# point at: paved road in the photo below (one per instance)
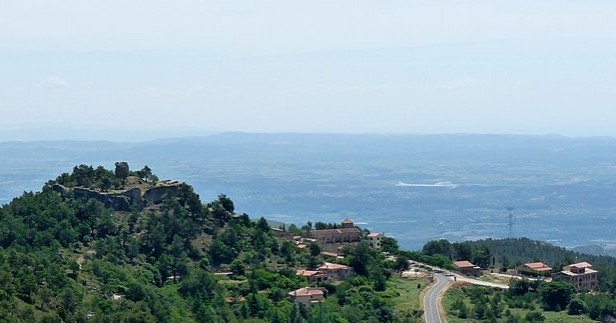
(431, 301)
(473, 281)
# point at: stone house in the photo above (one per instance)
(374, 239)
(346, 234)
(333, 240)
(580, 274)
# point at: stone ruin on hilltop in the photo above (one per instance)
(133, 193)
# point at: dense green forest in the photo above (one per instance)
(64, 257)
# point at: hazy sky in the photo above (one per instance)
(489, 66)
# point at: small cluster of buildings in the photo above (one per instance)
(331, 242)
(581, 275)
(328, 272)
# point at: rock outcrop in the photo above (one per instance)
(125, 200)
(155, 194)
(116, 201)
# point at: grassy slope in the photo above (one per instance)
(550, 317)
(409, 293)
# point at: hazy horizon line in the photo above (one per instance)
(144, 134)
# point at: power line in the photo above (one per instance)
(510, 221)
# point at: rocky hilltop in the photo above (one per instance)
(128, 190)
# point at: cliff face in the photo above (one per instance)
(116, 201)
(155, 195)
(124, 200)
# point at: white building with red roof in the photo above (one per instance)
(308, 295)
(580, 274)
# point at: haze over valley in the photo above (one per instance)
(413, 187)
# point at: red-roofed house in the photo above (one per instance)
(536, 268)
(467, 268)
(307, 295)
(581, 275)
(314, 276)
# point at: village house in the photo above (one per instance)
(335, 271)
(308, 295)
(536, 269)
(465, 267)
(580, 274)
(333, 240)
(313, 276)
(374, 239)
(326, 272)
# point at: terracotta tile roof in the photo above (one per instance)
(464, 264)
(538, 266)
(347, 221)
(581, 265)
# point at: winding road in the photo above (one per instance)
(431, 301)
(442, 279)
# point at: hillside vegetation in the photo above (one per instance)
(65, 257)
(528, 299)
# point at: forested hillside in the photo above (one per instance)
(515, 252)
(70, 257)
(524, 296)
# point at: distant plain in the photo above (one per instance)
(413, 187)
